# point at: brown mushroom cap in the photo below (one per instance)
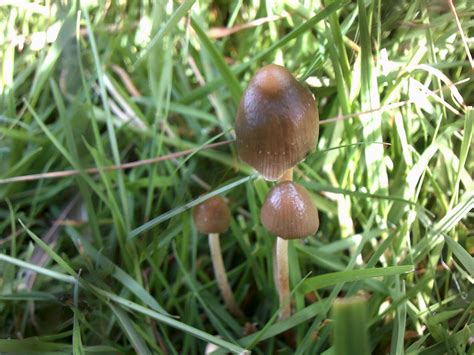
(289, 212)
(212, 216)
(277, 122)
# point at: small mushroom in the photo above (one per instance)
(212, 217)
(289, 213)
(277, 122)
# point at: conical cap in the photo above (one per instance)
(289, 212)
(212, 216)
(277, 122)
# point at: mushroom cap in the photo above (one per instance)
(277, 122)
(289, 212)
(212, 216)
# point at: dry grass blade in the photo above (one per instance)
(132, 89)
(134, 164)
(461, 32)
(39, 256)
(220, 32)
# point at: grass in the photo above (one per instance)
(107, 260)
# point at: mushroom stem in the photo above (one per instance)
(287, 175)
(221, 276)
(281, 263)
(283, 284)
(275, 267)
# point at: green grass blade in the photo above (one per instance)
(51, 253)
(334, 278)
(126, 323)
(227, 75)
(28, 296)
(167, 28)
(318, 187)
(398, 333)
(463, 256)
(32, 345)
(466, 146)
(282, 326)
(46, 67)
(173, 323)
(443, 226)
(298, 31)
(119, 274)
(377, 178)
(77, 348)
(176, 211)
(350, 334)
(194, 288)
(110, 125)
(40, 270)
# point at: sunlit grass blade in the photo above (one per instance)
(45, 68)
(330, 279)
(318, 187)
(444, 225)
(110, 126)
(462, 255)
(466, 146)
(377, 179)
(40, 270)
(173, 20)
(228, 76)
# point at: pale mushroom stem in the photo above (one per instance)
(275, 267)
(283, 284)
(282, 279)
(221, 276)
(287, 176)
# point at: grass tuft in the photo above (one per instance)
(116, 118)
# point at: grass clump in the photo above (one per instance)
(105, 257)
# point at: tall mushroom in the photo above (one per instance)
(277, 122)
(289, 213)
(212, 217)
(277, 126)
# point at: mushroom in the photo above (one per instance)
(277, 126)
(289, 213)
(277, 122)
(212, 217)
